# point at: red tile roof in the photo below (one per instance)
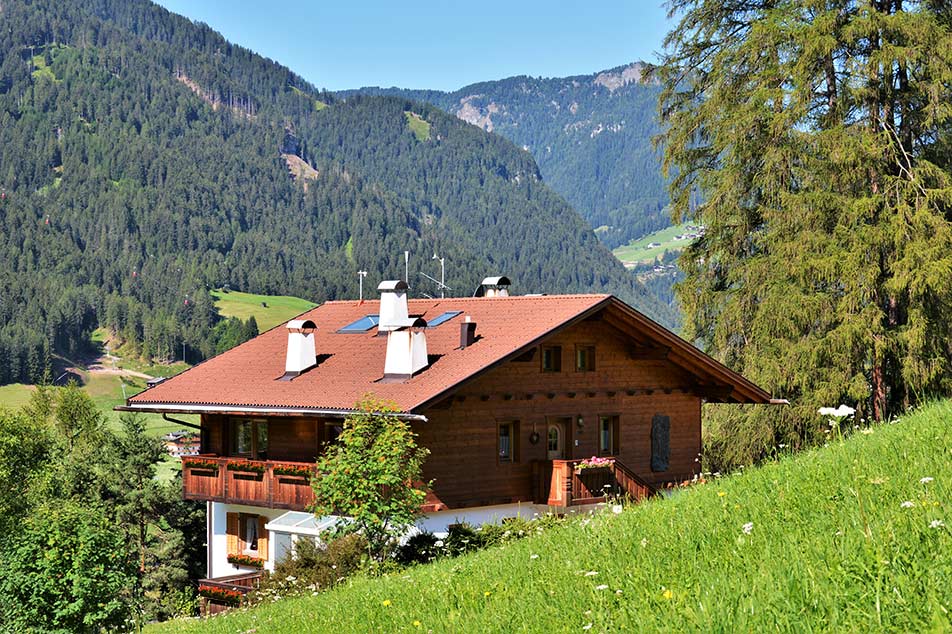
(351, 365)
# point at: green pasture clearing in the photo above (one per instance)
(419, 127)
(638, 250)
(15, 395)
(852, 537)
(268, 310)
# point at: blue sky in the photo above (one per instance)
(445, 46)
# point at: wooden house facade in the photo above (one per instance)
(508, 393)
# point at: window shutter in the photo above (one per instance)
(262, 537)
(616, 435)
(660, 442)
(232, 528)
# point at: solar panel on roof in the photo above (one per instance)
(363, 324)
(439, 319)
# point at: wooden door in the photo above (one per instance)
(555, 441)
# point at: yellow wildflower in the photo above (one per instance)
(487, 593)
(417, 624)
(667, 594)
(387, 603)
(721, 494)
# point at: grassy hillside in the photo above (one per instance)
(268, 310)
(851, 537)
(644, 250)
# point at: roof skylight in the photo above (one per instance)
(363, 324)
(439, 319)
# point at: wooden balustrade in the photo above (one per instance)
(241, 481)
(561, 483)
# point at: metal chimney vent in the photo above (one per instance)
(493, 287)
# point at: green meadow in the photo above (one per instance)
(639, 251)
(268, 310)
(851, 537)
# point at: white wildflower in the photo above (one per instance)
(925, 480)
(907, 504)
(591, 573)
(587, 627)
(644, 542)
(616, 509)
(936, 524)
(840, 412)
(533, 556)
(601, 587)
(618, 591)
(747, 528)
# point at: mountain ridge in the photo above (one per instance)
(590, 134)
(128, 194)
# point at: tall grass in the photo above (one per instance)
(851, 537)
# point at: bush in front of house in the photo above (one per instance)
(311, 567)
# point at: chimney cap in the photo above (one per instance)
(492, 283)
(302, 325)
(392, 286)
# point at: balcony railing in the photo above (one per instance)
(276, 484)
(240, 584)
(561, 483)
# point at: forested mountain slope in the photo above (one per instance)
(590, 134)
(144, 160)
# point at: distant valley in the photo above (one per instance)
(591, 136)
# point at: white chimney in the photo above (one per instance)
(301, 352)
(406, 351)
(406, 336)
(493, 287)
(394, 312)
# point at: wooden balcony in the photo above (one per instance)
(275, 484)
(241, 584)
(561, 483)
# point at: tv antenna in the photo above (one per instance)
(441, 283)
(360, 282)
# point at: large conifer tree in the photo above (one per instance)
(812, 139)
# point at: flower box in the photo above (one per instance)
(594, 463)
(220, 595)
(248, 467)
(294, 471)
(201, 465)
(247, 561)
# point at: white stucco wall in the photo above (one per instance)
(218, 565)
(279, 543)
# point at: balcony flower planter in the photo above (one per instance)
(292, 471)
(248, 467)
(594, 463)
(220, 595)
(202, 466)
(246, 560)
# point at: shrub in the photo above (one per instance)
(421, 548)
(311, 567)
(462, 538)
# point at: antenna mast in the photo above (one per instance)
(360, 281)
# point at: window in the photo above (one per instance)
(361, 325)
(330, 431)
(246, 534)
(551, 358)
(608, 435)
(249, 534)
(508, 442)
(439, 319)
(584, 358)
(660, 442)
(249, 438)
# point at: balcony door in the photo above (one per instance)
(557, 440)
(249, 438)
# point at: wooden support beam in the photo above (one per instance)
(645, 353)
